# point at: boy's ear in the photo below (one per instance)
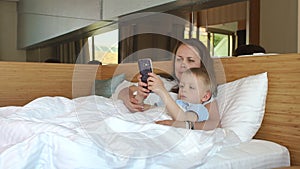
(206, 97)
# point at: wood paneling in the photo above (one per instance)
(223, 14)
(281, 123)
(23, 82)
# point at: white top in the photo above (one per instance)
(152, 99)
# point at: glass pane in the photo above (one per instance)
(106, 47)
(221, 45)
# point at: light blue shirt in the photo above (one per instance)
(199, 109)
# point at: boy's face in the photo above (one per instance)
(192, 89)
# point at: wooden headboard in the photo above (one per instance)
(23, 82)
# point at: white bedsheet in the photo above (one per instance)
(96, 132)
(259, 154)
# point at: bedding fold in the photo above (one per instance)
(97, 132)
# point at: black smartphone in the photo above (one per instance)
(145, 66)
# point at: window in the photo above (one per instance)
(104, 47)
(220, 42)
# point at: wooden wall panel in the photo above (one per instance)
(281, 122)
(23, 82)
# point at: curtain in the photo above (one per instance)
(126, 44)
(74, 52)
(151, 45)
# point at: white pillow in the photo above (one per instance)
(242, 104)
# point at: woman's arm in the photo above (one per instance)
(213, 120)
(210, 124)
(179, 124)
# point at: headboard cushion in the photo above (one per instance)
(107, 87)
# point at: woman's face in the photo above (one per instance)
(186, 57)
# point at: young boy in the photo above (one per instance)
(194, 92)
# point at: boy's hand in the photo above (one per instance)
(155, 84)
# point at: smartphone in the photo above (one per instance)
(145, 66)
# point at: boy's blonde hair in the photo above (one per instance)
(201, 73)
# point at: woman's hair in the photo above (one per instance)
(206, 60)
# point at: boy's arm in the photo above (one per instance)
(174, 110)
(156, 85)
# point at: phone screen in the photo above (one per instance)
(145, 66)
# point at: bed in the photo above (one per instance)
(35, 128)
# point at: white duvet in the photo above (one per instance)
(97, 132)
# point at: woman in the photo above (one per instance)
(188, 54)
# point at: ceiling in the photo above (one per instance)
(11, 0)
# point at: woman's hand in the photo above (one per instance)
(180, 124)
(126, 95)
(142, 91)
(165, 122)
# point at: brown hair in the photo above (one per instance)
(249, 49)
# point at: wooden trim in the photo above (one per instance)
(298, 32)
(254, 21)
